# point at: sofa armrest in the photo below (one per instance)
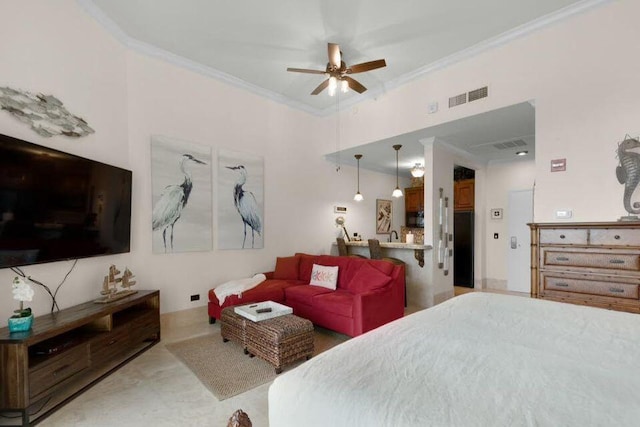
(375, 308)
(269, 274)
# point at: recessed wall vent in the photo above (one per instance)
(458, 100)
(510, 144)
(483, 92)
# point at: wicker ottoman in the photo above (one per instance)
(232, 327)
(281, 340)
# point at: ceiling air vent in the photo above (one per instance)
(510, 144)
(458, 100)
(483, 92)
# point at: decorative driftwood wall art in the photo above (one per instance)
(44, 113)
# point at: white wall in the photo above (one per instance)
(500, 179)
(54, 48)
(127, 97)
(582, 75)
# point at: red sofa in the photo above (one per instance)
(369, 293)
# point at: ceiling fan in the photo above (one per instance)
(337, 71)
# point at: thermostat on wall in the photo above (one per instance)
(340, 209)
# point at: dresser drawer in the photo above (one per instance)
(613, 261)
(563, 236)
(614, 237)
(57, 369)
(594, 287)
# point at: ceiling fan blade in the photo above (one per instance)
(366, 66)
(320, 87)
(304, 70)
(334, 55)
(354, 84)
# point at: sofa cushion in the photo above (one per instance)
(367, 278)
(287, 268)
(306, 265)
(347, 266)
(384, 267)
(269, 290)
(325, 276)
(304, 294)
(337, 302)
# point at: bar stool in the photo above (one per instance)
(343, 250)
(375, 252)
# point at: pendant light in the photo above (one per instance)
(397, 192)
(417, 171)
(358, 197)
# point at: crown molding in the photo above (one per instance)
(500, 40)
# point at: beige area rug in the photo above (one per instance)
(224, 368)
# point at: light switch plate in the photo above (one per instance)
(433, 107)
(564, 214)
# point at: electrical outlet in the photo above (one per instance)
(195, 297)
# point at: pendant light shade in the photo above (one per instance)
(417, 171)
(397, 192)
(358, 197)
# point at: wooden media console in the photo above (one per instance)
(68, 351)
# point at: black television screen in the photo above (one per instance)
(56, 206)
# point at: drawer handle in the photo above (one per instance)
(562, 258)
(60, 369)
(616, 290)
(112, 341)
(617, 237)
(562, 236)
(616, 261)
(562, 284)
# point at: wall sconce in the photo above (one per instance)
(358, 197)
(397, 192)
(417, 171)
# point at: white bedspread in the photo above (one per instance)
(476, 360)
(238, 286)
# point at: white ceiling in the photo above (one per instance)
(474, 137)
(251, 43)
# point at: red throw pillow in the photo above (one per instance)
(287, 268)
(368, 278)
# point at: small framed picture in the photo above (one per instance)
(496, 213)
(384, 216)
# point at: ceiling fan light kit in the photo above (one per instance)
(337, 70)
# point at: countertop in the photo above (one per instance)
(391, 245)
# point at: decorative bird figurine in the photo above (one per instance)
(246, 205)
(174, 198)
(628, 173)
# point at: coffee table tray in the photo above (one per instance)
(250, 311)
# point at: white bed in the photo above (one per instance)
(476, 360)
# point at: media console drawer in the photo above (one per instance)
(58, 368)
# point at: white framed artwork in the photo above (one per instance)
(181, 196)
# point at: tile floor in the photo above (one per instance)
(157, 390)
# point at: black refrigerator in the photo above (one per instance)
(463, 249)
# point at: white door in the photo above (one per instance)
(519, 242)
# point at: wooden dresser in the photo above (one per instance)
(596, 264)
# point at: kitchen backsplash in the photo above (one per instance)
(417, 232)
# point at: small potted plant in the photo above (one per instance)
(23, 318)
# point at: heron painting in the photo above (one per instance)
(240, 200)
(181, 181)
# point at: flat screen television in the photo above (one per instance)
(57, 206)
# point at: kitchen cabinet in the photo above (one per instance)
(463, 195)
(414, 206)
